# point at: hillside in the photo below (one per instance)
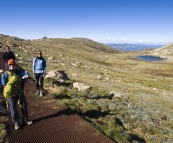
(78, 43)
(164, 52)
(142, 105)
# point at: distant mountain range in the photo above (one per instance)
(134, 47)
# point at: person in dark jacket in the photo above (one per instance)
(39, 72)
(8, 54)
(13, 81)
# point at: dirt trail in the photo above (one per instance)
(51, 125)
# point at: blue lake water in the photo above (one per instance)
(150, 58)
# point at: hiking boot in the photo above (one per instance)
(29, 122)
(37, 93)
(41, 94)
(17, 127)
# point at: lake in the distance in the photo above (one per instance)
(150, 58)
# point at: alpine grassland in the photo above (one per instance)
(141, 109)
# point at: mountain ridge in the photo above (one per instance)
(82, 43)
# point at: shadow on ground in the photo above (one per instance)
(65, 112)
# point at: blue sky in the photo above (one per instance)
(99, 20)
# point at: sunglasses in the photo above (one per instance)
(11, 64)
(38, 53)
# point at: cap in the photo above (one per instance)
(11, 62)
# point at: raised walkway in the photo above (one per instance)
(51, 125)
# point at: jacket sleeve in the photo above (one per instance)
(33, 65)
(4, 78)
(44, 65)
(23, 74)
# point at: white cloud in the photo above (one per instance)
(123, 39)
(109, 39)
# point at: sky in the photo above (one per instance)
(140, 21)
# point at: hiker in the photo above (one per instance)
(8, 54)
(39, 72)
(13, 81)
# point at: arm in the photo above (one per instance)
(24, 75)
(33, 65)
(44, 66)
(4, 78)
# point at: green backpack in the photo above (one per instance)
(13, 86)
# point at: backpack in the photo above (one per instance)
(13, 86)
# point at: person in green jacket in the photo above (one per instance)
(13, 81)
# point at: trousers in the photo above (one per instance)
(12, 102)
(39, 80)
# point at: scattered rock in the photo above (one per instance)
(80, 86)
(51, 58)
(74, 74)
(20, 62)
(100, 76)
(113, 94)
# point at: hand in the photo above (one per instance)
(23, 77)
(1, 71)
(44, 74)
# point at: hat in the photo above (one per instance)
(11, 62)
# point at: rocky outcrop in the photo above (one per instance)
(58, 75)
(164, 52)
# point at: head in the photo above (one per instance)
(39, 54)
(7, 48)
(11, 64)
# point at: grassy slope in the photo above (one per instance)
(147, 113)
